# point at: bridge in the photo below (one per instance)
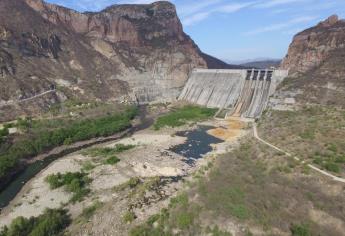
(241, 93)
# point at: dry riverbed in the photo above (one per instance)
(150, 158)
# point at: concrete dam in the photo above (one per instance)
(241, 93)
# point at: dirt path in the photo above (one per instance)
(27, 99)
(333, 177)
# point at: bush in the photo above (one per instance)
(51, 222)
(129, 217)
(300, 230)
(75, 183)
(331, 166)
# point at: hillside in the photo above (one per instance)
(124, 53)
(262, 64)
(316, 63)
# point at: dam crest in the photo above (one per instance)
(239, 93)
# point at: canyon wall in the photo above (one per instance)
(125, 53)
(315, 61)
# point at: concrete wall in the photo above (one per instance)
(243, 92)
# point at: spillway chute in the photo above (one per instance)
(242, 93)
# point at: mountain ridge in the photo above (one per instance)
(123, 53)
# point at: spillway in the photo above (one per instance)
(242, 93)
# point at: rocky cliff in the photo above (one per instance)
(312, 47)
(123, 53)
(316, 62)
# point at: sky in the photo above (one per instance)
(236, 30)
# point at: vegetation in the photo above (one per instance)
(3, 134)
(183, 115)
(51, 222)
(89, 211)
(131, 184)
(112, 160)
(47, 134)
(300, 230)
(182, 214)
(75, 183)
(109, 154)
(129, 216)
(227, 192)
(217, 232)
(314, 133)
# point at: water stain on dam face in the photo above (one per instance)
(244, 93)
(198, 144)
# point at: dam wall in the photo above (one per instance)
(242, 93)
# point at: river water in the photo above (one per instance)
(198, 143)
(33, 169)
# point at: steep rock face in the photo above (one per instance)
(312, 47)
(316, 63)
(147, 43)
(36, 56)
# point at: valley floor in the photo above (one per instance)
(160, 171)
(241, 187)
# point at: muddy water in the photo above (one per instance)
(198, 144)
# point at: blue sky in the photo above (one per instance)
(236, 30)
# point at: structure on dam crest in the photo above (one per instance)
(242, 93)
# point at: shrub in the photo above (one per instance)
(331, 166)
(75, 183)
(129, 217)
(300, 230)
(51, 222)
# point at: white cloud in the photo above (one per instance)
(227, 8)
(280, 26)
(192, 8)
(274, 3)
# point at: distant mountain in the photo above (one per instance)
(265, 64)
(215, 63)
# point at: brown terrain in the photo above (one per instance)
(124, 53)
(316, 62)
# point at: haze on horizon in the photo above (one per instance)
(235, 30)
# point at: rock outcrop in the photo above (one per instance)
(312, 47)
(316, 63)
(123, 53)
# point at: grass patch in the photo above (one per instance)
(75, 183)
(215, 231)
(51, 222)
(129, 217)
(183, 115)
(112, 160)
(109, 154)
(107, 151)
(87, 166)
(88, 212)
(131, 183)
